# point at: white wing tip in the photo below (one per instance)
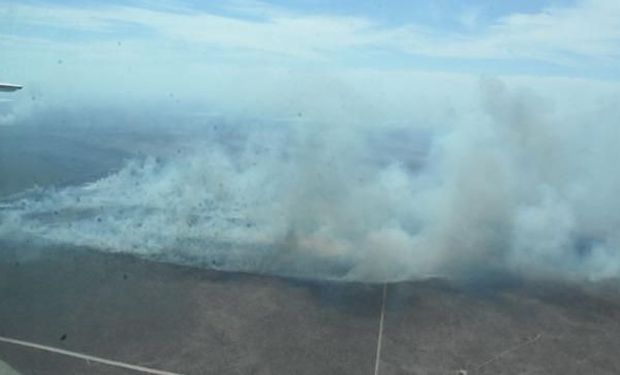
(7, 87)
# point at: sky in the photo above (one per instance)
(226, 49)
(561, 38)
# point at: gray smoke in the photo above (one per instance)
(514, 184)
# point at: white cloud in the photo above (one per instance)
(588, 30)
(251, 55)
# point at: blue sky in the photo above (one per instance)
(574, 38)
(154, 44)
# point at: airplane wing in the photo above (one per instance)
(7, 87)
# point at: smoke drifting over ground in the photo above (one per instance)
(515, 185)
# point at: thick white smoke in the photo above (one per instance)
(516, 186)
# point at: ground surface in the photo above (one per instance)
(197, 321)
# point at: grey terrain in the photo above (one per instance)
(199, 321)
